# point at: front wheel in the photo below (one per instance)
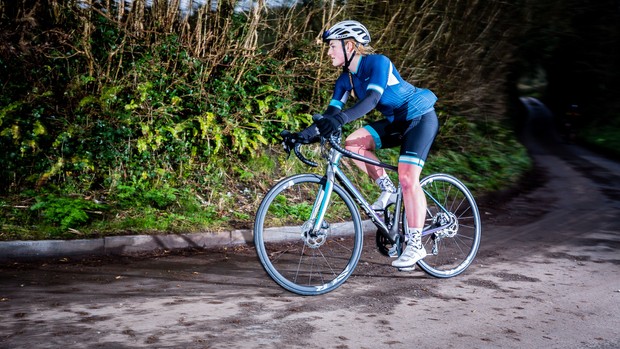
(298, 257)
(451, 207)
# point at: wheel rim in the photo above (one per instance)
(454, 248)
(302, 262)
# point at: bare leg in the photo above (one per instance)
(415, 208)
(413, 196)
(361, 142)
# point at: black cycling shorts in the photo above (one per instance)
(414, 137)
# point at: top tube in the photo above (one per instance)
(334, 141)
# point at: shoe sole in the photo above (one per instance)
(404, 266)
(408, 266)
(407, 269)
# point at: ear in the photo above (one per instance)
(350, 46)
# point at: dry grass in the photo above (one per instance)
(460, 49)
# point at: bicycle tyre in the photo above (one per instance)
(296, 261)
(452, 250)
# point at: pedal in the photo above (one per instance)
(393, 251)
(407, 269)
(396, 248)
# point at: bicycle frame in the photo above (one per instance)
(298, 249)
(334, 172)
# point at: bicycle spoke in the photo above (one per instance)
(310, 261)
(452, 212)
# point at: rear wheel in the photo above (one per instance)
(298, 259)
(450, 204)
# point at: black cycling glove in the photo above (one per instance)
(290, 139)
(329, 124)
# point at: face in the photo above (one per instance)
(335, 52)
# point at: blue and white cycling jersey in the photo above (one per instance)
(398, 99)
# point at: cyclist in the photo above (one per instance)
(410, 122)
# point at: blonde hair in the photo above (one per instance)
(363, 50)
(359, 48)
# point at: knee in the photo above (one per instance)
(354, 145)
(409, 180)
(359, 143)
(408, 183)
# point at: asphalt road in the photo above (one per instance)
(547, 276)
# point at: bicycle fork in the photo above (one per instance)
(314, 232)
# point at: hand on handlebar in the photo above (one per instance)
(292, 142)
(290, 139)
(327, 125)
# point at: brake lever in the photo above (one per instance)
(287, 148)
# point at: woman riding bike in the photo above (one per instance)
(410, 122)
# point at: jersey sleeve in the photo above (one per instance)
(379, 74)
(341, 92)
(362, 108)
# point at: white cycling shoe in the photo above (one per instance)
(410, 256)
(385, 199)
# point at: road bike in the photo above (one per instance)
(309, 233)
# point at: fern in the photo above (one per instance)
(64, 212)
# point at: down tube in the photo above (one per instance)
(357, 196)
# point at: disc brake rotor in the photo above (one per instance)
(446, 219)
(316, 239)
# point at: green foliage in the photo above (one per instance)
(173, 129)
(141, 194)
(283, 209)
(65, 212)
(603, 137)
(161, 198)
(485, 155)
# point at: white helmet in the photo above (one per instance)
(348, 29)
